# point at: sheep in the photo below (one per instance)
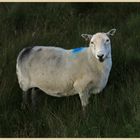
(60, 72)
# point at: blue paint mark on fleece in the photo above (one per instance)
(78, 50)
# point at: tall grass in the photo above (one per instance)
(113, 113)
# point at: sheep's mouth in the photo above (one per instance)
(101, 60)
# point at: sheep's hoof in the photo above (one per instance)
(25, 106)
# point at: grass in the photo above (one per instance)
(113, 113)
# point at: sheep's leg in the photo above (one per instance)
(37, 99)
(81, 86)
(26, 99)
(34, 98)
(84, 97)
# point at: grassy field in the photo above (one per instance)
(113, 113)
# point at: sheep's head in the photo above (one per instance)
(100, 44)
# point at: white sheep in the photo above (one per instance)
(59, 72)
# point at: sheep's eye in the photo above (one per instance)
(92, 43)
(107, 40)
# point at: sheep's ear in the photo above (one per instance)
(87, 37)
(111, 32)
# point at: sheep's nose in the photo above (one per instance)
(100, 56)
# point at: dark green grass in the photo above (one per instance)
(113, 113)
